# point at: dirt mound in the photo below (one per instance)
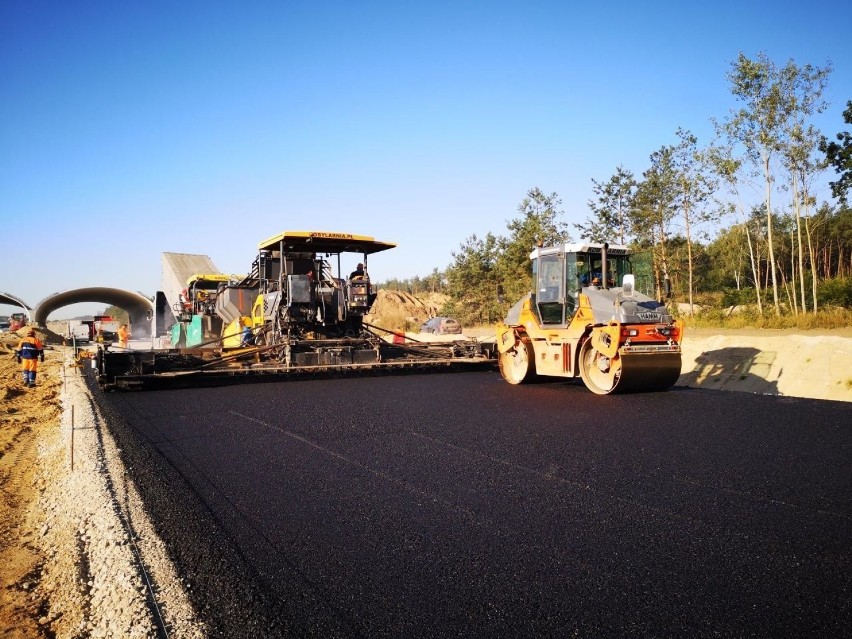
(398, 310)
(50, 335)
(54, 332)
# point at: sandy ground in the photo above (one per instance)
(30, 419)
(69, 565)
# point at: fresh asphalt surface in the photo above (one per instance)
(458, 505)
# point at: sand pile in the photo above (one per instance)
(397, 310)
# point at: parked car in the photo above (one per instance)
(442, 326)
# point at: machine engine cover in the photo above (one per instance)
(650, 311)
(298, 289)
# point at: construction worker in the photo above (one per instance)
(246, 336)
(28, 353)
(123, 335)
(358, 272)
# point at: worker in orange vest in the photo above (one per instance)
(29, 352)
(123, 335)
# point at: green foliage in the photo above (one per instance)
(835, 292)
(609, 220)
(749, 317)
(839, 155)
(472, 280)
(654, 203)
(728, 263)
(737, 297)
(772, 122)
(432, 283)
(537, 224)
(775, 103)
(480, 266)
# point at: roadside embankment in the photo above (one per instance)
(817, 365)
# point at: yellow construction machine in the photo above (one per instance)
(585, 318)
(197, 321)
(298, 297)
(295, 314)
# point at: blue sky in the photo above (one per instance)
(129, 129)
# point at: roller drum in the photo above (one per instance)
(646, 372)
(628, 372)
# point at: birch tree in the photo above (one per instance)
(728, 168)
(695, 186)
(771, 104)
(805, 86)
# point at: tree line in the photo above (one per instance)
(733, 221)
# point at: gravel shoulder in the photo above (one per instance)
(78, 557)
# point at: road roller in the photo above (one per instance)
(584, 318)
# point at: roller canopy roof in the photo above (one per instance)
(324, 242)
(581, 247)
